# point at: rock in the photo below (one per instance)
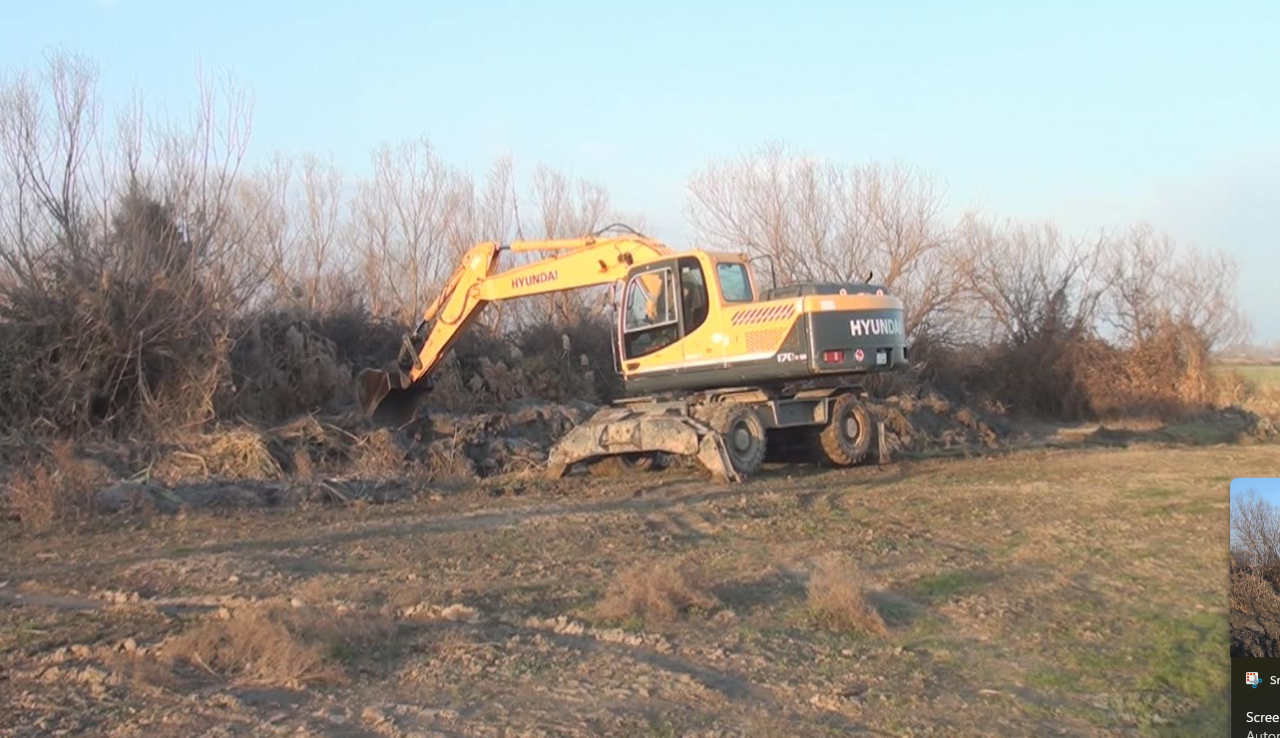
(725, 616)
(459, 612)
(126, 496)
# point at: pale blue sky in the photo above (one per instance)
(1266, 487)
(1091, 114)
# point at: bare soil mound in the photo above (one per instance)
(1253, 637)
(929, 421)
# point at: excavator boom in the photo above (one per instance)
(392, 393)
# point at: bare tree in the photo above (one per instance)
(1157, 283)
(821, 221)
(120, 265)
(561, 208)
(496, 209)
(1255, 530)
(1024, 281)
(406, 226)
(47, 129)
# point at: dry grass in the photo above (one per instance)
(253, 646)
(1253, 595)
(229, 453)
(280, 645)
(381, 453)
(838, 601)
(142, 672)
(57, 487)
(655, 592)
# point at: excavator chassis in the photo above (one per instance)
(627, 431)
(694, 426)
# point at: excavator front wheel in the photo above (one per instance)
(743, 434)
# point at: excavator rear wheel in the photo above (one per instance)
(847, 438)
(743, 435)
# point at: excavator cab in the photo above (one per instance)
(672, 309)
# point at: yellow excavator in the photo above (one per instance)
(715, 364)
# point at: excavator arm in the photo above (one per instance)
(574, 264)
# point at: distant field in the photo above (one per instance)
(1261, 376)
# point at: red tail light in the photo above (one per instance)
(833, 357)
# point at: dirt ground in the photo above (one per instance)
(1046, 592)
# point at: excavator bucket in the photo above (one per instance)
(388, 397)
(623, 432)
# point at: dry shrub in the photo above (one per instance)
(59, 486)
(276, 644)
(124, 330)
(304, 469)
(1070, 374)
(447, 460)
(655, 592)
(571, 362)
(552, 362)
(250, 645)
(1166, 375)
(838, 601)
(284, 367)
(1265, 403)
(1253, 595)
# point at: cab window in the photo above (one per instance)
(649, 301)
(734, 283)
(650, 320)
(693, 294)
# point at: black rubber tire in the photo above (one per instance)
(743, 435)
(625, 463)
(647, 461)
(845, 440)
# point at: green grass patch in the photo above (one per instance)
(948, 583)
(1167, 501)
(1197, 433)
(1152, 493)
(1258, 376)
(1188, 655)
(1053, 679)
(1168, 676)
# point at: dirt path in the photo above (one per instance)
(1048, 592)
